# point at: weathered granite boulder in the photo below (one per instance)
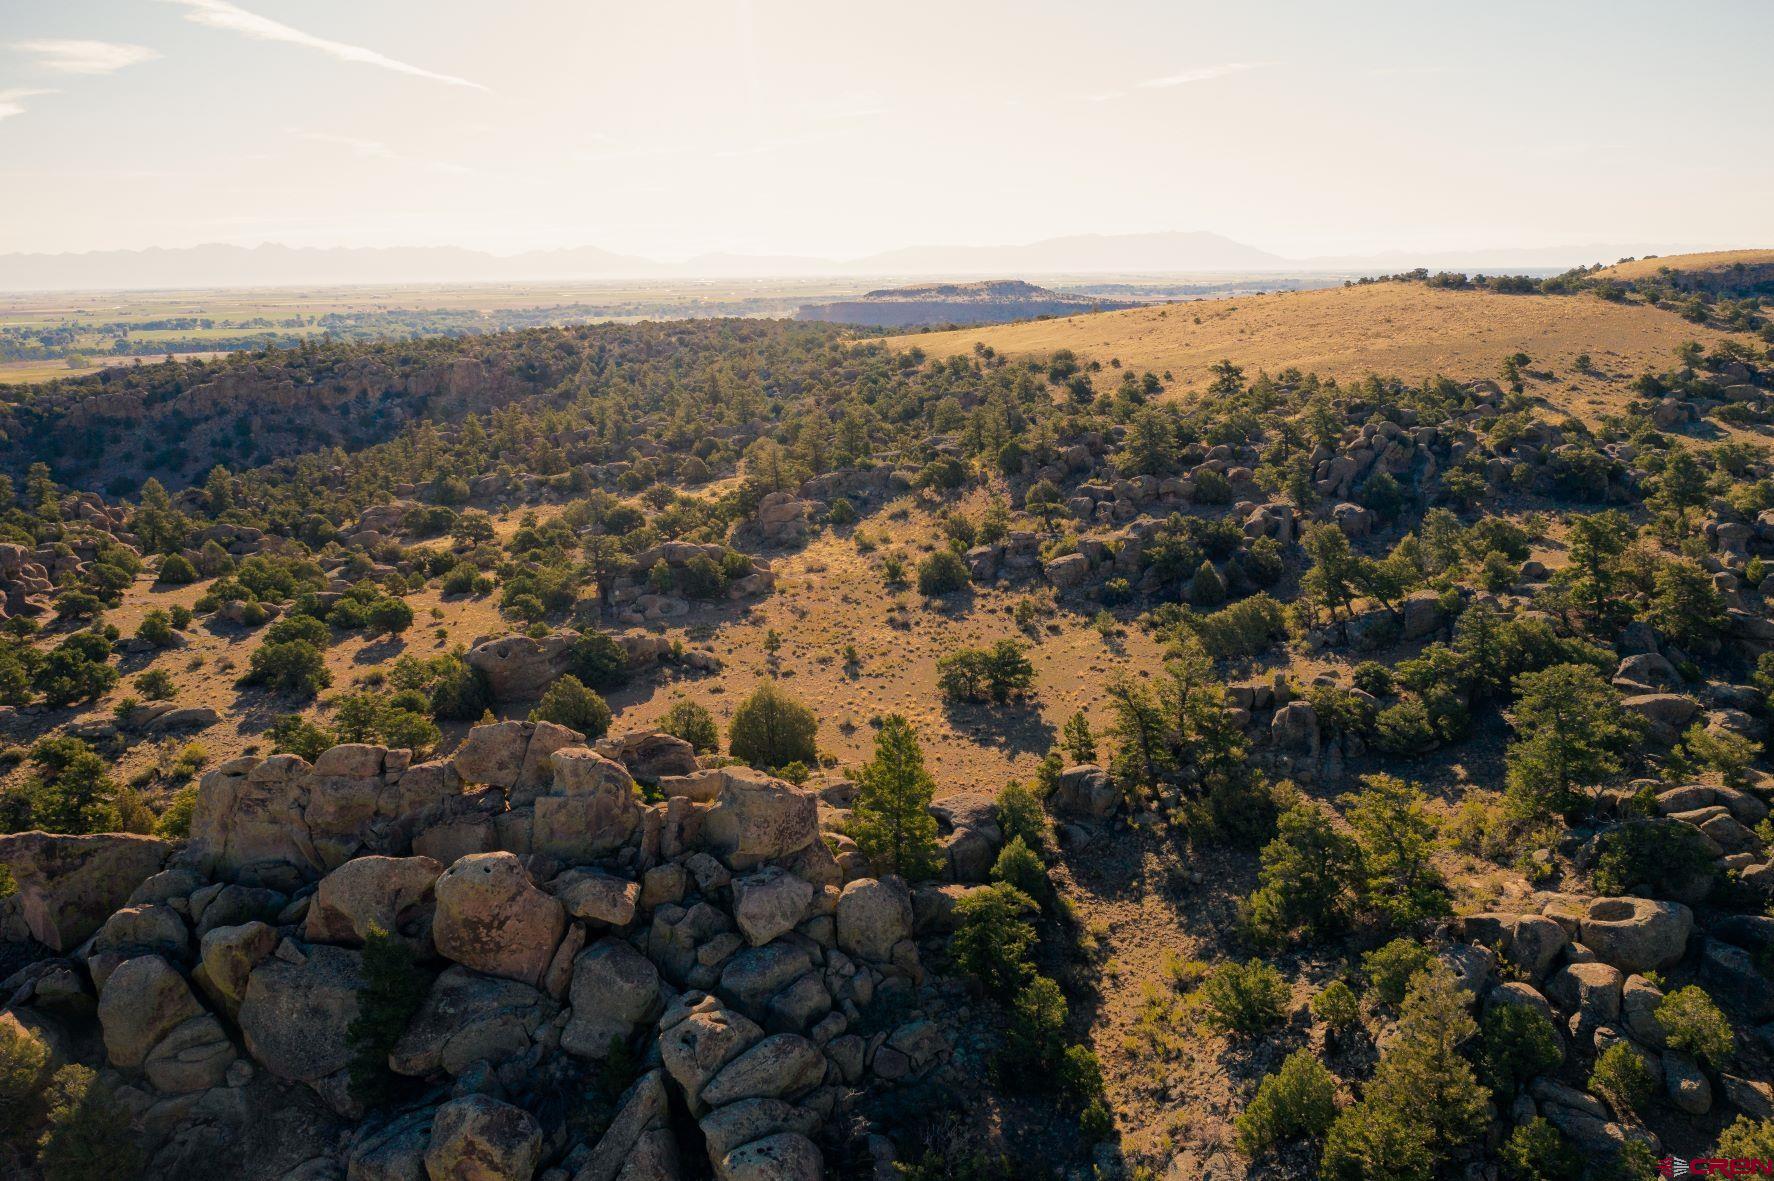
(492, 918)
(69, 885)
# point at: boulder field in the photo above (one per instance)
(688, 947)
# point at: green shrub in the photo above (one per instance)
(177, 570)
(1695, 1024)
(1035, 1035)
(304, 628)
(295, 667)
(996, 674)
(295, 735)
(1389, 969)
(1021, 866)
(598, 661)
(1537, 1151)
(155, 684)
(993, 941)
(771, 729)
(1300, 1099)
(157, 629)
(1337, 1006)
(174, 822)
(1747, 1138)
(569, 703)
(942, 573)
(1245, 999)
(1247, 628)
(692, 722)
(87, 1134)
(1657, 855)
(1518, 1043)
(394, 987)
(24, 1061)
(68, 790)
(1020, 817)
(76, 670)
(1622, 1078)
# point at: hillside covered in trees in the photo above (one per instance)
(738, 749)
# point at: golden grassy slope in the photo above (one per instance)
(1403, 329)
(1718, 260)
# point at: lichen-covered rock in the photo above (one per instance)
(615, 988)
(228, 956)
(1636, 934)
(650, 754)
(467, 1018)
(591, 809)
(786, 1156)
(873, 915)
(521, 668)
(1085, 790)
(698, 1038)
(644, 1109)
(194, 1056)
(479, 1138)
(757, 819)
(69, 885)
(392, 894)
(597, 896)
(769, 903)
(492, 918)
(782, 1065)
(143, 1001)
(297, 1008)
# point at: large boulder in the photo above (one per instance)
(769, 903)
(1085, 790)
(69, 885)
(194, 1056)
(1295, 728)
(757, 818)
(492, 918)
(1636, 934)
(479, 1138)
(700, 1037)
(514, 756)
(519, 667)
(144, 1000)
(598, 897)
(650, 754)
(395, 895)
(227, 957)
(783, 1065)
(590, 811)
(615, 988)
(297, 1009)
(467, 1018)
(643, 1113)
(873, 916)
(786, 1156)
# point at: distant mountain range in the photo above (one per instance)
(1085, 254)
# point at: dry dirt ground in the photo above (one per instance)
(1393, 329)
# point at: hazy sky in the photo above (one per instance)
(670, 128)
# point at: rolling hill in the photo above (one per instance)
(1403, 328)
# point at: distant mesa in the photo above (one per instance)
(993, 301)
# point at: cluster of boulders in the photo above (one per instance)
(756, 975)
(1590, 966)
(25, 581)
(638, 599)
(520, 667)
